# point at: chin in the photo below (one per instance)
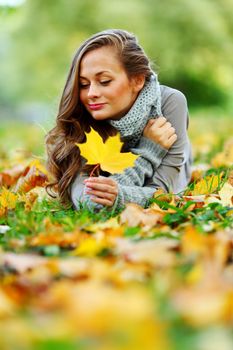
(100, 116)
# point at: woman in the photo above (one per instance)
(112, 88)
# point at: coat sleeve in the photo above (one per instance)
(150, 157)
(174, 171)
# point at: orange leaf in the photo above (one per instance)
(33, 178)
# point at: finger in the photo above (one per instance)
(160, 121)
(101, 194)
(171, 141)
(102, 201)
(148, 126)
(150, 122)
(101, 187)
(166, 126)
(100, 179)
(170, 132)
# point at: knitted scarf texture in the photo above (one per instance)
(146, 106)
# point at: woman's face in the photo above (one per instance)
(105, 89)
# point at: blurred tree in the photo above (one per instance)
(191, 42)
(41, 43)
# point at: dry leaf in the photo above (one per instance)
(34, 177)
(9, 177)
(107, 154)
(226, 195)
(7, 199)
(207, 185)
(157, 252)
(134, 215)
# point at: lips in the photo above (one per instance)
(96, 106)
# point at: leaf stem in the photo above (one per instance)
(95, 168)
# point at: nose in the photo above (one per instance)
(93, 91)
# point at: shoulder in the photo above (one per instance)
(171, 98)
(169, 94)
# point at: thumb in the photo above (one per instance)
(149, 123)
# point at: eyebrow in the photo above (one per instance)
(97, 74)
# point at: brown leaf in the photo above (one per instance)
(134, 215)
(156, 252)
(34, 177)
(8, 177)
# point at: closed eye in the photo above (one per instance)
(83, 86)
(105, 82)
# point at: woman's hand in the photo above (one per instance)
(103, 189)
(160, 131)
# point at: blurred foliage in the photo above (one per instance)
(190, 42)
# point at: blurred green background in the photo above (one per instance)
(189, 42)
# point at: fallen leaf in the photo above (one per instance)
(9, 177)
(89, 247)
(226, 195)
(34, 177)
(134, 215)
(207, 185)
(8, 199)
(157, 252)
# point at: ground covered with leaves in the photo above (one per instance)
(159, 277)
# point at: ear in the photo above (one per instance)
(138, 82)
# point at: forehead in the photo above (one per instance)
(99, 60)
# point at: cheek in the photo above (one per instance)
(120, 93)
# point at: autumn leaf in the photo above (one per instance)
(8, 177)
(107, 154)
(34, 177)
(134, 215)
(89, 247)
(38, 166)
(207, 185)
(226, 195)
(7, 199)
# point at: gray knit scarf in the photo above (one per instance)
(146, 106)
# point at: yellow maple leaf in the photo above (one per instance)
(7, 199)
(107, 154)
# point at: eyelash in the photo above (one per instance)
(104, 83)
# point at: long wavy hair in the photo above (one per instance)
(73, 120)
